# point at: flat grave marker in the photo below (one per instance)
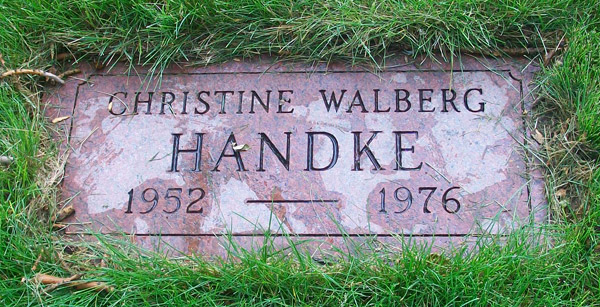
(314, 151)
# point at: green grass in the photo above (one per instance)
(574, 85)
(20, 138)
(522, 271)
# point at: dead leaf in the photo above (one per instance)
(50, 279)
(60, 119)
(95, 285)
(563, 203)
(63, 56)
(236, 59)
(241, 147)
(58, 226)
(561, 193)
(64, 213)
(437, 258)
(538, 136)
(55, 282)
(558, 63)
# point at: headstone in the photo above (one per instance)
(417, 150)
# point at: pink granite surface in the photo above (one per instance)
(470, 151)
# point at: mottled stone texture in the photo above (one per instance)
(455, 139)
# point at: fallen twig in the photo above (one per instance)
(102, 261)
(60, 119)
(36, 72)
(34, 267)
(2, 61)
(6, 160)
(37, 261)
(54, 281)
(63, 263)
(69, 73)
(551, 54)
(64, 213)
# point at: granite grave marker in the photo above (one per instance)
(422, 150)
